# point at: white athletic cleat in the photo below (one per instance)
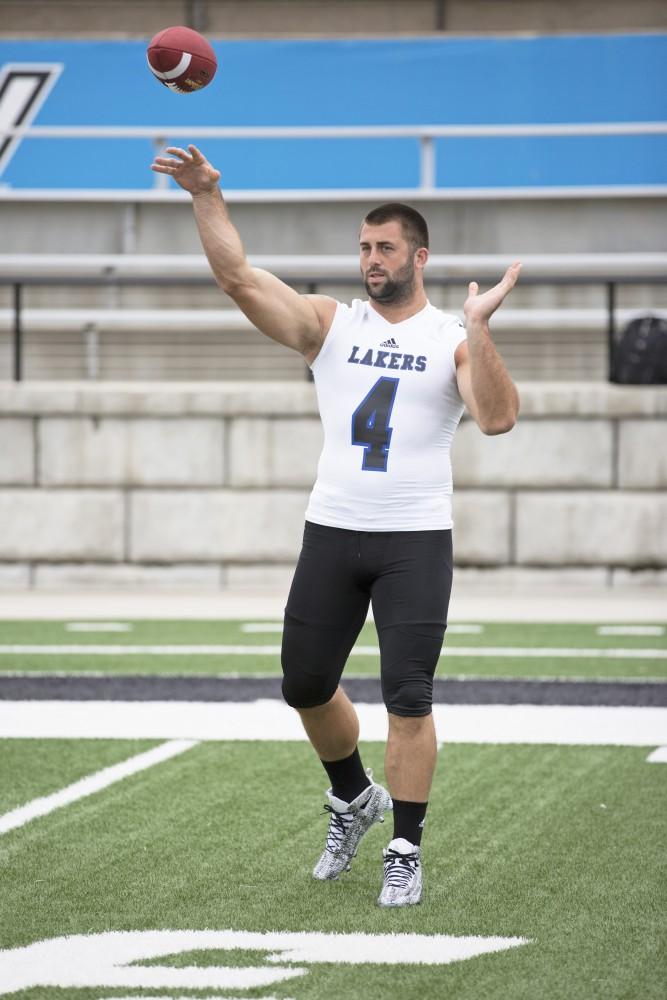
(402, 874)
(348, 822)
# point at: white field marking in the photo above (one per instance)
(92, 783)
(659, 756)
(98, 627)
(630, 630)
(170, 996)
(226, 650)
(349, 675)
(271, 719)
(104, 960)
(260, 627)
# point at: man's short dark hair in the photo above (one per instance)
(412, 222)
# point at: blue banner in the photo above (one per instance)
(374, 82)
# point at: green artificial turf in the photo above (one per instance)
(32, 768)
(543, 636)
(205, 632)
(562, 845)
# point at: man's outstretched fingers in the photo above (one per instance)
(512, 273)
(180, 153)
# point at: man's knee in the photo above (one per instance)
(307, 680)
(301, 690)
(410, 655)
(410, 699)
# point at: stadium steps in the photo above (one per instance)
(169, 320)
(223, 344)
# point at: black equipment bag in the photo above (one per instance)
(640, 353)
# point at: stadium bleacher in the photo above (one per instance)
(120, 341)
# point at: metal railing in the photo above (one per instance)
(161, 135)
(318, 272)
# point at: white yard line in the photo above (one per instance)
(266, 627)
(92, 783)
(540, 652)
(630, 630)
(98, 627)
(659, 756)
(348, 675)
(271, 719)
(262, 627)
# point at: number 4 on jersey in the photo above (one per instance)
(370, 424)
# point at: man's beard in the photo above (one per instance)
(395, 290)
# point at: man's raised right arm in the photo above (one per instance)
(297, 321)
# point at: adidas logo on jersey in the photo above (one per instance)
(390, 343)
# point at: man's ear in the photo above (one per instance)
(421, 257)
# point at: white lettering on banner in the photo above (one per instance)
(23, 89)
(105, 960)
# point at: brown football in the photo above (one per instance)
(181, 59)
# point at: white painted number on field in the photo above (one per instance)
(107, 960)
(658, 756)
(170, 996)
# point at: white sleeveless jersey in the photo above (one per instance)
(389, 404)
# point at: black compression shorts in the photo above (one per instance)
(407, 575)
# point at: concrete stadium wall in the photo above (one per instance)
(229, 18)
(508, 225)
(192, 486)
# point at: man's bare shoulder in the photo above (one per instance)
(325, 307)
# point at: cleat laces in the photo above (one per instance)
(348, 823)
(399, 869)
(339, 824)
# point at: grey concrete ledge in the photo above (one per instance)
(262, 577)
(158, 399)
(591, 399)
(236, 399)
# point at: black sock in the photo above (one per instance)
(348, 778)
(409, 820)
